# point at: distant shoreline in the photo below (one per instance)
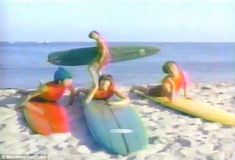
(42, 42)
(205, 62)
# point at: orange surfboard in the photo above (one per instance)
(46, 117)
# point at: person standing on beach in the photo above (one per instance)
(54, 90)
(101, 60)
(171, 85)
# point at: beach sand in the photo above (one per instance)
(172, 135)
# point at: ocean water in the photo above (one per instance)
(23, 65)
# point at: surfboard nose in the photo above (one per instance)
(152, 50)
(52, 58)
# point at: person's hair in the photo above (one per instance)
(61, 74)
(93, 32)
(106, 77)
(167, 65)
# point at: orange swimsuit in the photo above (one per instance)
(103, 95)
(179, 82)
(51, 92)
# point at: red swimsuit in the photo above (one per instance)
(103, 95)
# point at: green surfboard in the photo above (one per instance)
(84, 56)
(117, 129)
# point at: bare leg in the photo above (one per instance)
(166, 91)
(100, 70)
(99, 73)
(94, 73)
(145, 90)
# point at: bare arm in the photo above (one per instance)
(169, 88)
(185, 91)
(91, 94)
(32, 95)
(186, 84)
(124, 99)
(172, 90)
(72, 96)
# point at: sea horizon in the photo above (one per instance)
(205, 62)
(117, 41)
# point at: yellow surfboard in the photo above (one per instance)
(195, 108)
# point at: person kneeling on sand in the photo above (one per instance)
(171, 85)
(105, 90)
(54, 90)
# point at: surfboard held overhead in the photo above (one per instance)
(84, 56)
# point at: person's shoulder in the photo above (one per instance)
(71, 87)
(167, 78)
(102, 43)
(43, 88)
(186, 77)
(50, 84)
(114, 87)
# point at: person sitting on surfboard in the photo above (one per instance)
(103, 57)
(54, 90)
(175, 80)
(104, 91)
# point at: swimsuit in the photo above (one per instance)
(51, 92)
(103, 95)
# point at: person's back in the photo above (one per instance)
(178, 81)
(54, 90)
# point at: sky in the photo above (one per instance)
(118, 20)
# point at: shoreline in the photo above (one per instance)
(172, 135)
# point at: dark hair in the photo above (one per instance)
(93, 32)
(167, 65)
(106, 77)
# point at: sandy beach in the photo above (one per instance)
(172, 135)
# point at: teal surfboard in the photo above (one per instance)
(84, 56)
(117, 129)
